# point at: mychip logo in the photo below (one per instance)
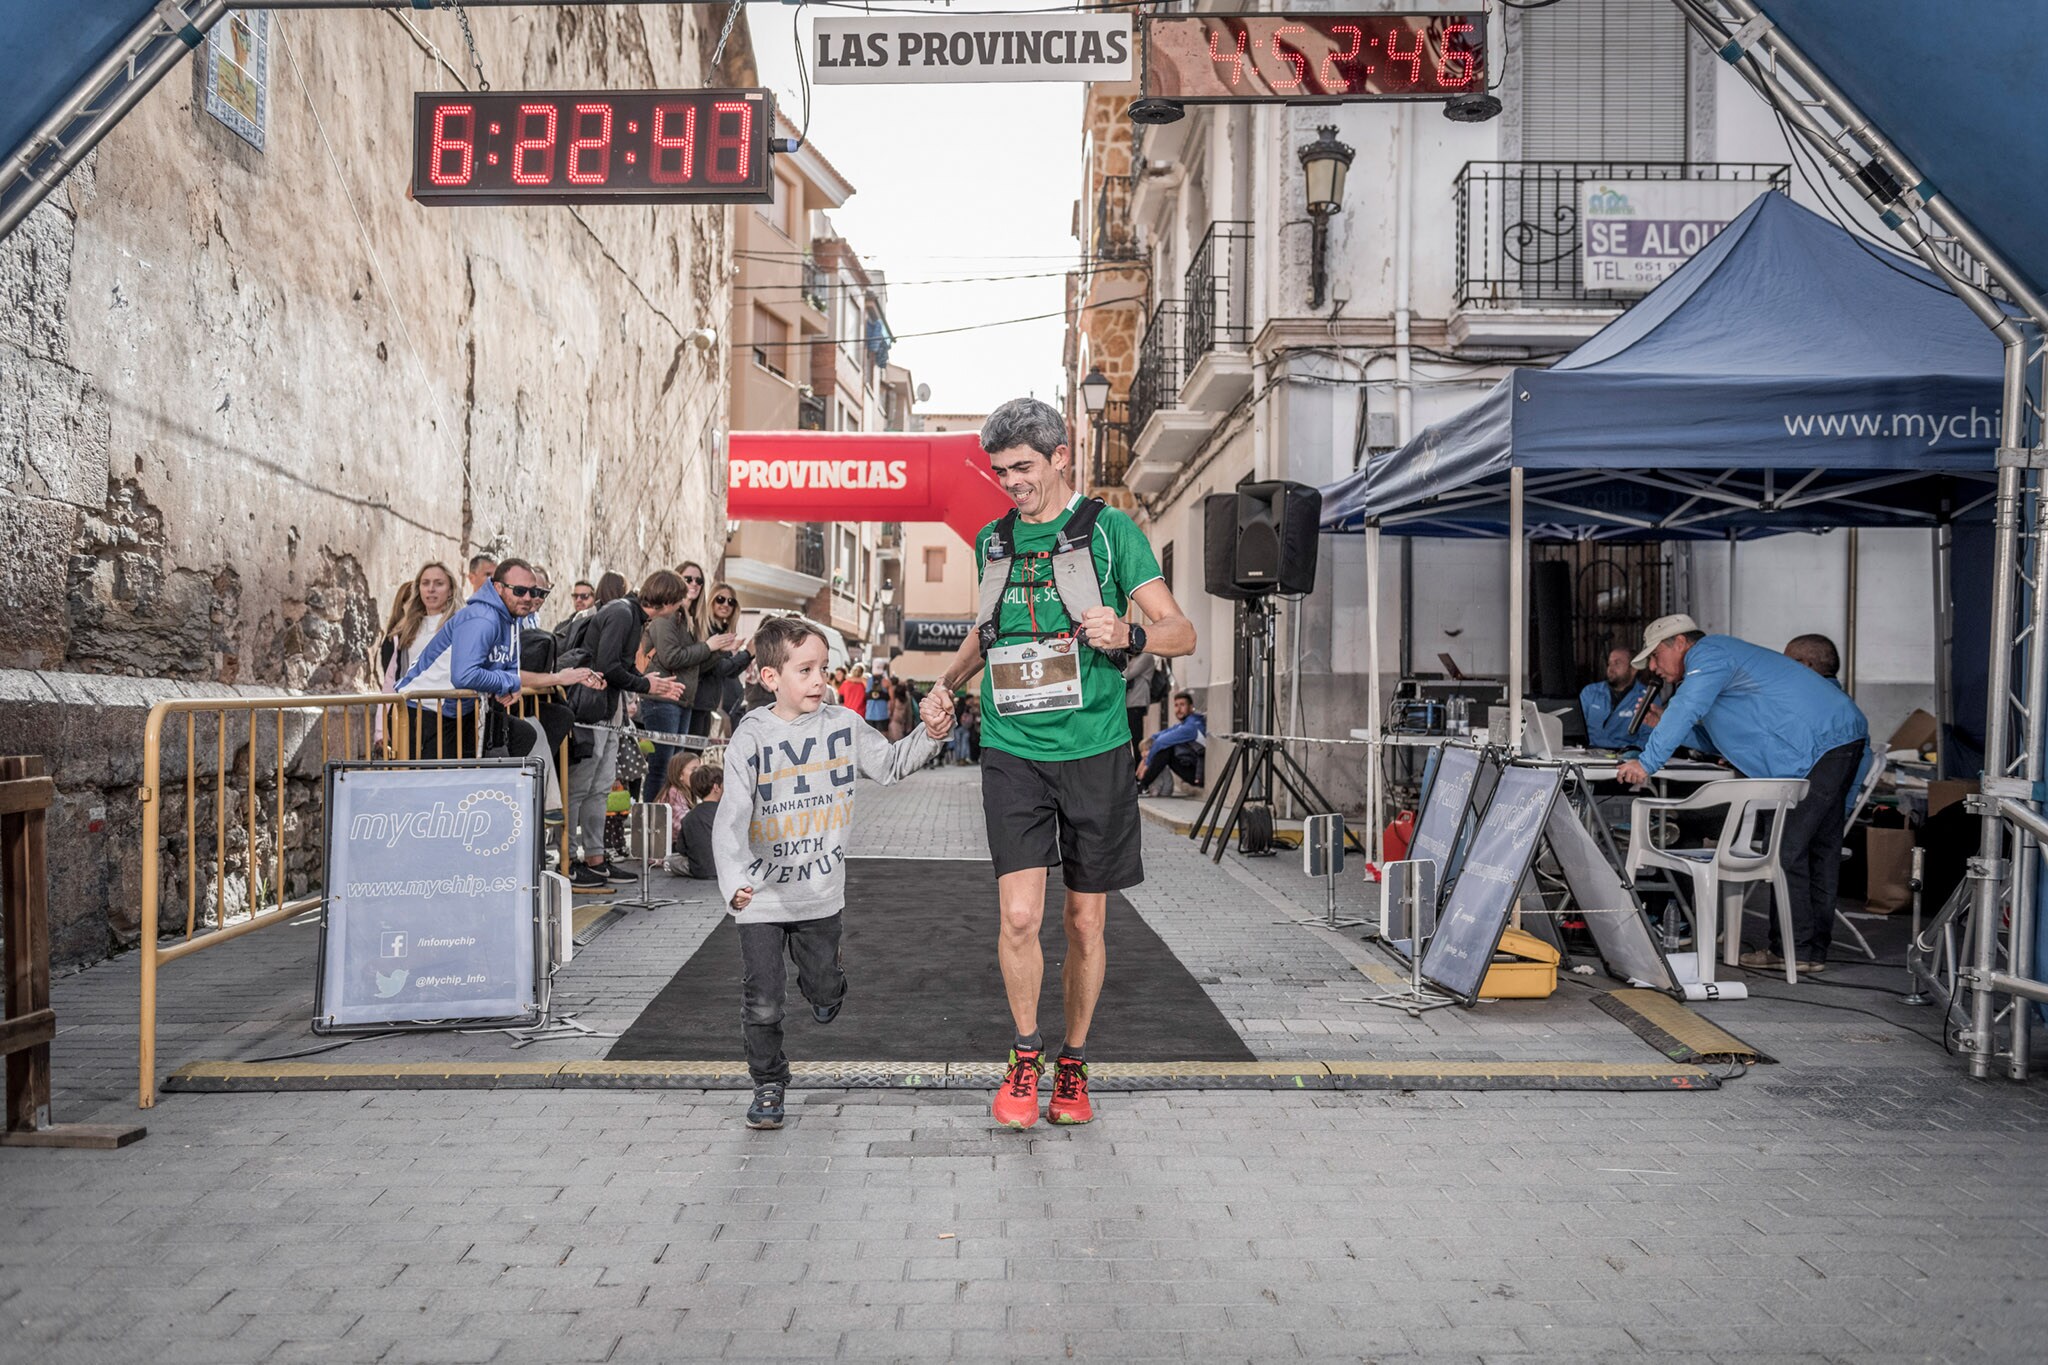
(485, 823)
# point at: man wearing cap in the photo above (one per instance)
(1771, 717)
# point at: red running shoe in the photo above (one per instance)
(1016, 1103)
(1069, 1093)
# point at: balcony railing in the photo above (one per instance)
(1161, 366)
(816, 282)
(810, 548)
(1519, 235)
(810, 412)
(1218, 289)
(1116, 236)
(1112, 444)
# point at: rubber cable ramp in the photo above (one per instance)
(1103, 1077)
(1674, 1029)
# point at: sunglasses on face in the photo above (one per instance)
(725, 601)
(580, 596)
(692, 578)
(537, 594)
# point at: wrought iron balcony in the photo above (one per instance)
(816, 283)
(1112, 444)
(810, 548)
(1217, 288)
(1519, 236)
(1161, 365)
(1116, 236)
(810, 412)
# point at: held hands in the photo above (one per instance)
(668, 689)
(937, 711)
(1632, 773)
(742, 898)
(1104, 629)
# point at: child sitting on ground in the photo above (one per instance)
(780, 842)
(707, 786)
(675, 794)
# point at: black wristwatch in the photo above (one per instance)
(1137, 644)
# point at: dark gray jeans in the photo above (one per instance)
(1811, 853)
(814, 945)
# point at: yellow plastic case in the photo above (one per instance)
(1524, 968)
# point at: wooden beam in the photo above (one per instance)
(27, 1031)
(27, 794)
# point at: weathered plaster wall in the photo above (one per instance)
(243, 395)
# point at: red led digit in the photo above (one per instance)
(1414, 58)
(1288, 57)
(1454, 70)
(1333, 83)
(600, 143)
(464, 147)
(1236, 59)
(544, 145)
(740, 143)
(664, 141)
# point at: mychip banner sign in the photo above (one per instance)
(936, 48)
(1637, 232)
(432, 906)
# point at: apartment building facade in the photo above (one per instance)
(1455, 254)
(811, 353)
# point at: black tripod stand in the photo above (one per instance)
(1259, 759)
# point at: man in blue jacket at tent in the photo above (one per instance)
(1176, 749)
(1610, 704)
(1770, 716)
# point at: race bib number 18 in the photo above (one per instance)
(1042, 676)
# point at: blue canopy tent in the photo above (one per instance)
(1789, 377)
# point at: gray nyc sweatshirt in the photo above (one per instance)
(781, 828)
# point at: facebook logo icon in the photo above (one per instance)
(394, 945)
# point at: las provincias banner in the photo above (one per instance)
(862, 476)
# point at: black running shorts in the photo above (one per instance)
(1079, 815)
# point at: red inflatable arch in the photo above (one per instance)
(862, 476)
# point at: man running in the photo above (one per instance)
(1056, 786)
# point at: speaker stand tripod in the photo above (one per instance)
(1259, 760)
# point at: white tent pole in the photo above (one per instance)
(1855, 603)
(1373, 823)
(1731, 585)
(1944, 645)
(1518, 609)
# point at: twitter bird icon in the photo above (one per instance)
(390, 983)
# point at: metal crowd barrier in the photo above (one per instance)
(351, 727)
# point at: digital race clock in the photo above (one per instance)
(592, 147)
(1314, 58)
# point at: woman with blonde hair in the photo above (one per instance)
(721, 685)
(416, 618)
(677, 648)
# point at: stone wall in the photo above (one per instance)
(245, 394)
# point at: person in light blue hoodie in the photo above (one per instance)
(1769, 716)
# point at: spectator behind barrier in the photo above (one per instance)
(719, 686)
(428, 604)
(483, 569)
(612, 638)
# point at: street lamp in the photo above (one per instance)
(1323, 164)
(1095, 391)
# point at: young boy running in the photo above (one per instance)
(780, 838)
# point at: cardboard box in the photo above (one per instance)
(1946, 792)
(1523, 968)
(1915, 732)
(1889, 860)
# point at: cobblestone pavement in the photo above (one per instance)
(1861, 1201)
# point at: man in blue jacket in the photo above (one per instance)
(1610, 704)
(478, 651)
(1770, 716)
(1176, 749)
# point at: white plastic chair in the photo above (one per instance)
(1739, 856)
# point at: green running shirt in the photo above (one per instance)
(1124, 562)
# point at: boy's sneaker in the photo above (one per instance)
(614, 873)
(1016, 1103)
(587, 880)
(825, 1014)
(1069, 1093)
(766, 1110)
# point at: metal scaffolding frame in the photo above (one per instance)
(132, 70)
(1997, 969)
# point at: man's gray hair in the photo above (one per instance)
(1024, 422)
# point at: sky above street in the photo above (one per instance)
(964, 198)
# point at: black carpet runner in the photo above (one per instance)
(920, 946)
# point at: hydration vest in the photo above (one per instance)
(1073, 575)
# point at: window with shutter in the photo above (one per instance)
(1604, 80)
